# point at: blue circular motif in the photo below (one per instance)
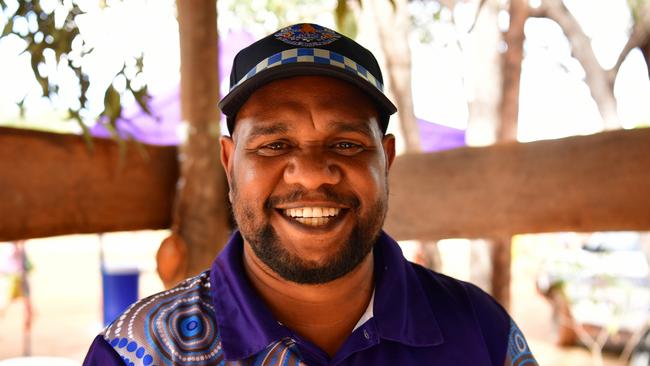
(183, 329)
(131, 346)
(306, 35)
(520, 343)
(147, 360)
(139, 353)
(123, 342)
(114, 342)
(191, 326)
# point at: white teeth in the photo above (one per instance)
(313, 221)
(294, 212)
(312, 212)
(317, 212)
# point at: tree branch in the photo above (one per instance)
(536, 12)
(638, 37)
(596, 78)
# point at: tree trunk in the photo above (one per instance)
(511, 71)
(393, 25)
(507, 132)
(501, 255)
(201, 216)
(484, 76)
(389, 22)
(485, 79)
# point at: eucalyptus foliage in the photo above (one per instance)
(49, 29)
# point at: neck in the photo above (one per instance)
(324, 314)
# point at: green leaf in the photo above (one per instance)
(112, 105)
(84, 82)
(60, 38)
(142, 97)
(437, 15)
(36, 51)
(21, 107)
(139, 63)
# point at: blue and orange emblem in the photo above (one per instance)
(307, 35)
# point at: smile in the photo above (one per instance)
(312, 216)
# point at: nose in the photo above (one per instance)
(311, 169)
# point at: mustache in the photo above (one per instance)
(324, 193)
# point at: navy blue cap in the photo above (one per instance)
(304, 49)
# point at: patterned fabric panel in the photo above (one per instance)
(173, 327)
(519, 353)
(178, 327)
(312, 55)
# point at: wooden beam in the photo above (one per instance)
(52, 184)
(584, 183)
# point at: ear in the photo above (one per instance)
(388, 143)
(227, 150)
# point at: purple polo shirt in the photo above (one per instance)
(419, 317)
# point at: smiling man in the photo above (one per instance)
(310, 277)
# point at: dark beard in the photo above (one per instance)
(268, 247)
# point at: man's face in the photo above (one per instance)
(307, 167)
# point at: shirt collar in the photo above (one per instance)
(399, 306)
(246, 325)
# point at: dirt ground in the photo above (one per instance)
(66, 293)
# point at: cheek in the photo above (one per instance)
(255, 179)
(369, 180)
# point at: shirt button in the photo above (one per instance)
(365, 334)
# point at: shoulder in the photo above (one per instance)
(504, 341)
(457, 291)
(467, 310)
(177, 325)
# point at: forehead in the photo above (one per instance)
(326, 102)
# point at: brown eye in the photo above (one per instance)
(347, 148)
(273, 148)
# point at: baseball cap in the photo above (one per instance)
(300, 50)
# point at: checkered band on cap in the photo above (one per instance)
(312, 55)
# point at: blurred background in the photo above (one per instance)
(522, 130)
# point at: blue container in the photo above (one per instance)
(120, 289)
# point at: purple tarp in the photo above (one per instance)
(435, 137)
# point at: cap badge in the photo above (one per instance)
(306, 35)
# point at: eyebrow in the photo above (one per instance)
(274, 129)
(283, 128)
(363, 128)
